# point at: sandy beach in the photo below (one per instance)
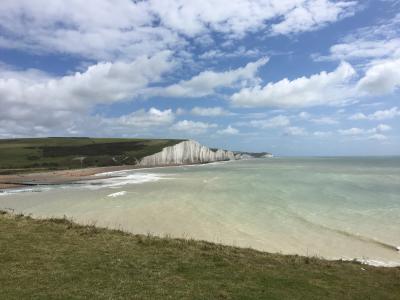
(65, 176)
(57, 177)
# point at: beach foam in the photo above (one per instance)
(378, 263)
(124, 179)
(117, 194)
(37, 189)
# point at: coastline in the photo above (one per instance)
(193, 197)
(71, 176)
(57, 258)
(56, 177)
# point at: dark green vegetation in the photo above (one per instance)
(70, 153)
(57, 259)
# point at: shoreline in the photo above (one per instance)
(362, 261)
(119, 175)
(56, 177)
(57, 258)
(71, 176)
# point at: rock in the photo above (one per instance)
(186, 152)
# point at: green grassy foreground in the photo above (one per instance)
(25, 155)
(57, 259)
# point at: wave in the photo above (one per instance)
(378, 263)
(371, 262)
(37, 189)
(94, 184)
(114, 182)
(112, 173)
(348, 234)
(117, 194)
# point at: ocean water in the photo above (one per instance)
(334, 208)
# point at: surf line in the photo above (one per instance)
(348, 234)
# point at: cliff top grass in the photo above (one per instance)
(59, 153)
(57, 259)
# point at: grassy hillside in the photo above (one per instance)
(56, 259)
(69, 153)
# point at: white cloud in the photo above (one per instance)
(378, 115)
(368, 133)
(376, 49)
(364, 49)
(96, 29)
(378, 137)
(319, 89)
(351, 131)
(193, 127)
(312, 15)
(379, 41)
(322, 120)
(295, 131)
(325, 121)
(32, 98)
(240, 51)
(100, 83)
(322, 133)
(383, 127)
(142, 119)
(304, 115)
(277, 121)
(236, 17)
(106, 29)
(210, 111)
(140, 122)
(385, 114)
(207, 82)
(228, 131)
(358, 116)
(381, 78)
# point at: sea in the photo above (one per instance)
(330, 207)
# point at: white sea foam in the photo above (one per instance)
(117, 194)
(114, 182)
(378, 263)
(112, 173)
(37, 189)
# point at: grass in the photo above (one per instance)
(57, 259)
(38, 154)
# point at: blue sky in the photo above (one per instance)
(293, 77)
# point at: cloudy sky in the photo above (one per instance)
(293, 77)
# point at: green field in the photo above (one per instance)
(57, 259)
(71, 153)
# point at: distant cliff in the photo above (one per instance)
(248, 155)
(186, 152)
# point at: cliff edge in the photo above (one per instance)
(186, 152)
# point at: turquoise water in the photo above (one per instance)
(330, 207)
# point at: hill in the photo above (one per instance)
(57, 259)
(57, 153)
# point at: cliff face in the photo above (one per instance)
(186, 152)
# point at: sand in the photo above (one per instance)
(64, 176)
(56, 177)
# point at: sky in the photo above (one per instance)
(291, 77)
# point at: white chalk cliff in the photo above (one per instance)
(186, 152)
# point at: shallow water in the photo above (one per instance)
(330, 207)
